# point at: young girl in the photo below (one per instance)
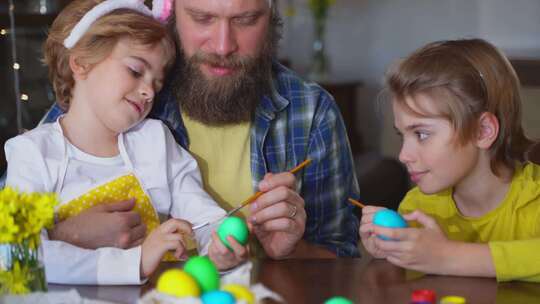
(476, 208)
(107, 60)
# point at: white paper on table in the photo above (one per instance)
(55, 297)
(240, 275)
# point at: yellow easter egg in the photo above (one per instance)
(178, 283)
(240, 293)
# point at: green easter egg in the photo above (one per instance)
(236, 227)
(338, 300)
(204, 272)
(178, 283)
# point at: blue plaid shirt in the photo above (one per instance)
(299, 121)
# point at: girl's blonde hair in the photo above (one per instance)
(97, 43)
(466, 78)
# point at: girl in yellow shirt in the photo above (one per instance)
(476, 208)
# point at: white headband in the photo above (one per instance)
(161, 10)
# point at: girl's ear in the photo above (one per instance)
(488, 130)
(79, 70)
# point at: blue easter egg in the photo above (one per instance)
(390, 219)
(218, 297)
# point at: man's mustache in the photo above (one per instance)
(233, 61)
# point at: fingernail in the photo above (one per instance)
(263, 184)
(253, 206)
(253, 219)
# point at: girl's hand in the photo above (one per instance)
(222, 256)
(168, 236)
(366, 231)
(424, 249)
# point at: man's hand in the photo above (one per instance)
(278, 217)
(105, 225)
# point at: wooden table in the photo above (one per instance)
(361, 280)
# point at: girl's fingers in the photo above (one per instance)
(220, 248)
(239, 251)
(176, 225)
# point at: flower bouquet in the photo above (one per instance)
(22, 217)
(319, 68)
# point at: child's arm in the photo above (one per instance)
(366, 234)
(192, 203)
(168, 236)
(428, 250)
(68, 264)
(27, 169)
(189, 201)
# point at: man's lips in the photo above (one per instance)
(416, 175)
(218, 70)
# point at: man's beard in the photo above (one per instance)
(228, 99)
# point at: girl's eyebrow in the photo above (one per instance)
(416, 126)
(142, 60)
(413, 126)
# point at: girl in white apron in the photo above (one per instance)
(102, 150)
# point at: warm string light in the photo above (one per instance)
(3, 32)
(19, 98)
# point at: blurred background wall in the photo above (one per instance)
(365, 36)
(362, 38)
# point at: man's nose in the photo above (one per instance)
(224, 40)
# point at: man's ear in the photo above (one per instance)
(79, 70)
(488, 130)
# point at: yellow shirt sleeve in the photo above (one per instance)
(516, 260)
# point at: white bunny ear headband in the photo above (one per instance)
(161, 10)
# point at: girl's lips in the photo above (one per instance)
(416, 176)
(136, 106)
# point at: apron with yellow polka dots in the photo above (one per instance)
(117, 189)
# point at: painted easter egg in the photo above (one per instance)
(390, 219)
(236, 227)
(240, 293)
(178, 283)
(338, 300)
(218, 297)
(204, 272)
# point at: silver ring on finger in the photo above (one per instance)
(293, 212)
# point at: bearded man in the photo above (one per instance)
(247, 120)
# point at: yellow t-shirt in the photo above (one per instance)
(512, 230)
(223, 155)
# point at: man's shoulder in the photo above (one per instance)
(292, 86)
